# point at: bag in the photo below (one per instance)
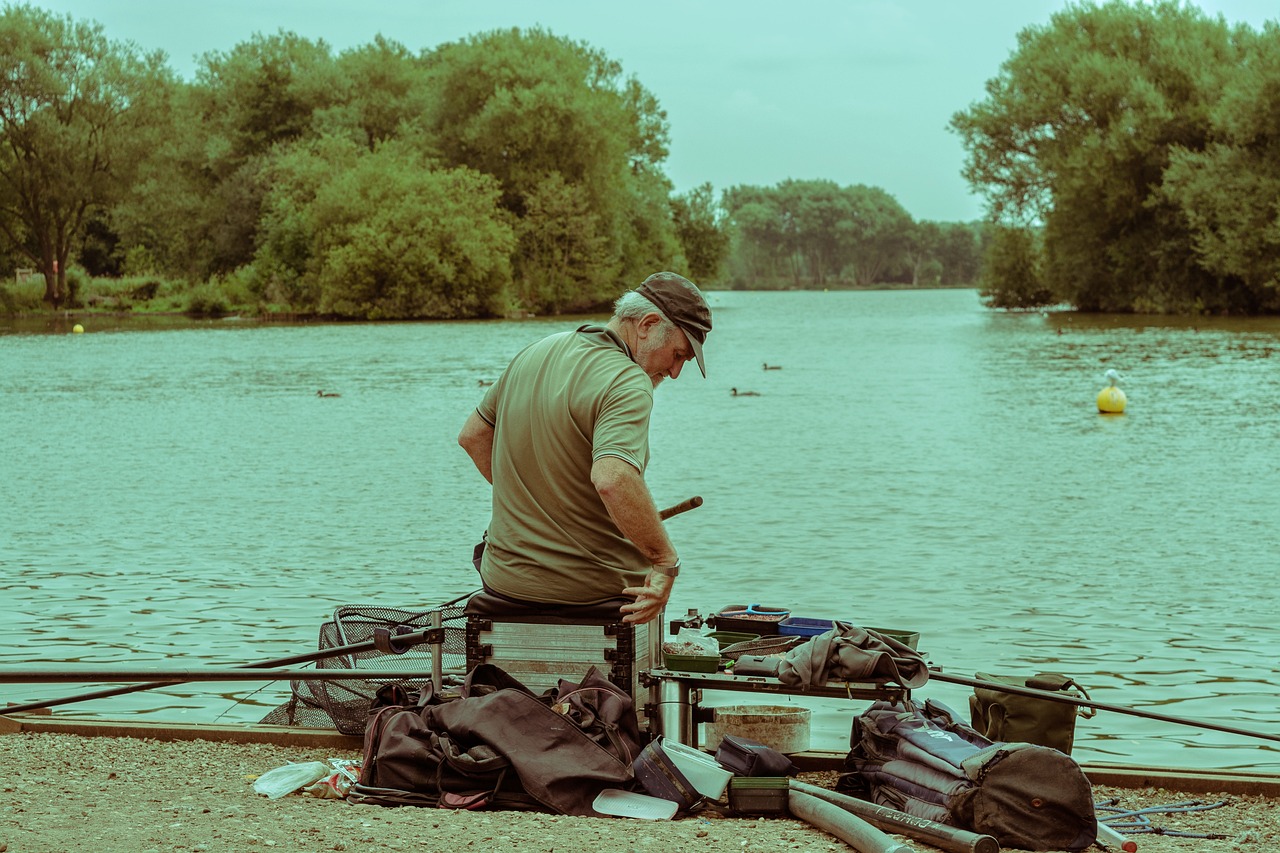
(747, 758)
(498, 745)
(927, 763)
(1011, 717)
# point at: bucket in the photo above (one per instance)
(783, 727)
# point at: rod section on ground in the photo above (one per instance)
(949, 838)
(850, 829)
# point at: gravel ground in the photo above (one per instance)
(63, 793)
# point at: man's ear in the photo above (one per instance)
(648, 323)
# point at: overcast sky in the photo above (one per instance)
(854, 91)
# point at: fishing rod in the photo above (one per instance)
(1101, 706)
(403, 641)
(184, 675)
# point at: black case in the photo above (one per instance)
(747, 758)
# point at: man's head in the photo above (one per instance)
(681, 305)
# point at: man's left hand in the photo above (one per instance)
(649, 599)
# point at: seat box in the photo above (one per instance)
(538, 651)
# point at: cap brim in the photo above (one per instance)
(697, 352)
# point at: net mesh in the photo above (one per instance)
(344, 704)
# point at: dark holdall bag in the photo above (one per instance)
(499, 746)
(1029, 719)
(745, 757)
(926, 762)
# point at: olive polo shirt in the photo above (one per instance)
(563, 402)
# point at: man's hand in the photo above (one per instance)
(649, 599)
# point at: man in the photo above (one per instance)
(563, 436)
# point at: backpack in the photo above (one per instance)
(499, 745)
(1013, 717)
(926, 762)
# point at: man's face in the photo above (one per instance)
(662, 355)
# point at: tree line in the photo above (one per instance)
(1130, 154)
(511, 171)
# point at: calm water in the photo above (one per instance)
(181, 496)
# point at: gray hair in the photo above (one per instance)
(633, 305)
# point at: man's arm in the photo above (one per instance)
(626, 496)
(477, 439)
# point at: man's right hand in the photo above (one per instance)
(649, 599)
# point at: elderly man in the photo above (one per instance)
(563, 436)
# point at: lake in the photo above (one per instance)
(176, 493)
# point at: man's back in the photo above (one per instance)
(564, 402)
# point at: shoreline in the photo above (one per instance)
(112, 794)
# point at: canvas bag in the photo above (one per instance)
(501, 746)
(926, 762)
(1011, 717)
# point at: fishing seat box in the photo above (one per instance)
(539, 644)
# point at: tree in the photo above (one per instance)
(378, 91)
(523, 106)
(262, 93)
(1076, 133)
(924, 243)
(1012, 277)
(1227, 191)
(379, 235)
(700, 227)
(73, 108)
(876, 233)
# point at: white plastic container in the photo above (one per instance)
(703, 772)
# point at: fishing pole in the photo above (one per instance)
(401, 640)
(1101, 706)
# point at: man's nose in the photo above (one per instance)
(677, 365)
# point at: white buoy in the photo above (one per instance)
(1111, 400)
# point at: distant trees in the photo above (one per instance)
(816, 233)
(1141, 140)
(511, 171)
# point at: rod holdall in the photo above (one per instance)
(1011, 717)
(925, 761)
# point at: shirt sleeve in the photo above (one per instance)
(622, 428)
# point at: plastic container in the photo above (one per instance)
(728, 638)
(908, 638)
(759, 794)
(672, 771)
(800, 626)
(702, 770)
(692, 663)
(750, 618)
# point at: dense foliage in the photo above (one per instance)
(1139, 142)
(1130, 155)
(512, 171)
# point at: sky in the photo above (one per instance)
(853, 91)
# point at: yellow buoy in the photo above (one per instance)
(78, 329)
(1111, 399)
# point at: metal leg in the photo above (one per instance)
(675, 711)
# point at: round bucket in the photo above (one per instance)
(782, 727)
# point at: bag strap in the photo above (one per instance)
(1056, 682)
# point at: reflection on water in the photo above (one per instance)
(182, 496)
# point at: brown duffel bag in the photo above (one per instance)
(500, 746)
